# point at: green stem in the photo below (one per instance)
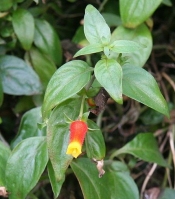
(102, 5)
(84, 96)
(165, 179)
(90, 83)
(82, 107)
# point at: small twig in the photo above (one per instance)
(147, 179)
(102, 5)
(152, 170)
(171, 140)
(172, 83)
(168, 65)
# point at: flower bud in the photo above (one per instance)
(78, 130)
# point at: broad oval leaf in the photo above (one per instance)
(140, 85)
(4, 155)
(135, 12)
(6, 4)
(25, 166)
(24, 27)
(17, 77)
(95, 145)
(96, 29)
(140, 35)
(47, 40)
(114, 184)
(143, 146)
(56, 185)
(29, 126)
(68, 80)
(58, 136)
(92, 48)
(43, 66)
(109, 74)
(124, 46)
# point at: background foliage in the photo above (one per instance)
(42, 69)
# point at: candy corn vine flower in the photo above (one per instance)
(78, 130)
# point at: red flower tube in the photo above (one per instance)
(78, 130)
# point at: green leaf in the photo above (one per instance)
(47, 40)
(44, 66)
(92, 48)
(24, 103)
(167, 193)
(151, 117)
(114, 183)
(112, 19)
(95, 27)
(29, 126)
(17, 77)
(24, 27)
(143, 146)
(140, 35)
(133, 13)
(56, 186)
(58, 136)
(95, 145)
(4, 155)
(167, 3)
(79, 37)
(5, 5)
(25, 166)
(109, 74)
(138, 84)
(68, 80)
(124, 46)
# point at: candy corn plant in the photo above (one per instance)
(73, 140)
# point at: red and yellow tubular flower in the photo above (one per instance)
(78, 130)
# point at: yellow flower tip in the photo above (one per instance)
(74, 149)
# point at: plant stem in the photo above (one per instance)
(102, 5)
(90, 82)
(82, 107)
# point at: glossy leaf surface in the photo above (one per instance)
(144, 146)
(47, 40)
(58, 136)
(56, 186)
(95, 27)
(92, 48)
(124, 46)
(115, 183)
(138, 84)
(17, 77)
(68, 80)
(43, 66)
(140, 35)
(29, 126)
(95, 145)
(25, 166)
(109, 74)
(4, 155)
(135, 12)
(24, 27)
